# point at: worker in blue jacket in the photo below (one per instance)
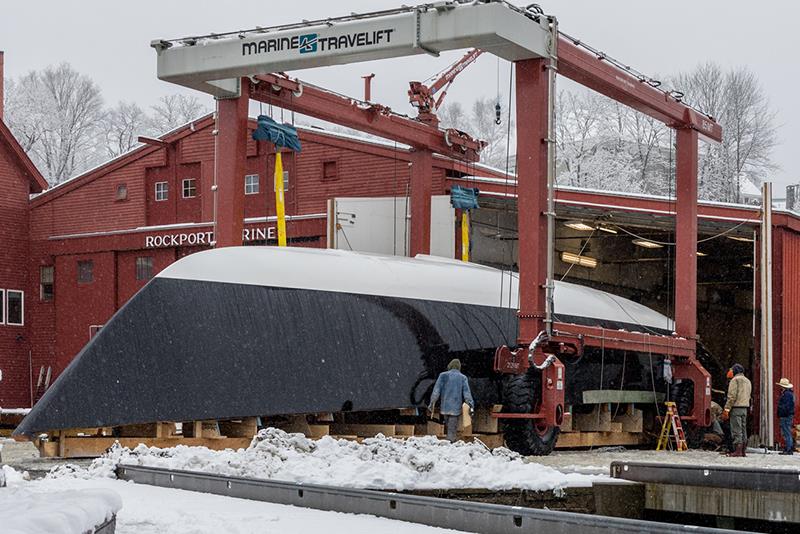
(786, 414)
(453, 388)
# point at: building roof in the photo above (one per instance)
(37, 181)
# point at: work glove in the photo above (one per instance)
(725, 415)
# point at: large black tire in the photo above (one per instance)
(526, 436)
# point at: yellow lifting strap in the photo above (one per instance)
(672, 428)
(464, 235)
(280, 208)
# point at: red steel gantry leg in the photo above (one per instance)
(686, 234)
(421, 176)
(532, 113)
(231, 148)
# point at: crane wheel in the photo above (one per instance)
(528, 437)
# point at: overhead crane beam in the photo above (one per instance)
(374, 119)
(594, 72)
(215, 63)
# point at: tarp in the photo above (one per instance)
(464, 198)
(281, 135)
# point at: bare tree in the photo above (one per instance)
(55, 114)
(480, 123)
(452, 115)
(579, 131)
(121, 127)
(738, 102)
(175, 110)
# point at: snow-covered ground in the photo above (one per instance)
(154, 510)
(72, 511)
(599, 461)
(376, 463)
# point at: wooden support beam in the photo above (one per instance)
(616, 396)
(483, 422)
(241, 428)
(597, 439)
(598, 420)
(318, 431)
(404, 430)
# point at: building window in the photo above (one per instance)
(330, 171)
(85, 272)
(251, 186)
(189, 188)
(2, 306)
(285, 181)
(122, 192)
(144, 268)
(46, 282)
(162, 191)
(14, 305)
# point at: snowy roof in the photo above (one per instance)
(748, 188)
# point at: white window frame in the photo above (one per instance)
(22, 307)
(257, 184)
(285, 182)
(165, 191)
(184, 184)
(2, 306)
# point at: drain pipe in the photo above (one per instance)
(552, 70)
(767, 403)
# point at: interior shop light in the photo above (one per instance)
(578, 225)
(741, 238)
(646, 243)
(577, 259)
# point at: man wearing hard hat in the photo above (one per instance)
(786, 414)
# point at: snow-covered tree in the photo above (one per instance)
(480, 124)
(121, 127)
(55, 113)
(738, 102)
(175, 110)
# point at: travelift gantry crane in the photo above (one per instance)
(224, 65)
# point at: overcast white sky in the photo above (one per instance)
(109, 41)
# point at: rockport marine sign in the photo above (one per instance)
(310, 43)
(183, 239)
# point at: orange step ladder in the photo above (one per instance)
(672, 428)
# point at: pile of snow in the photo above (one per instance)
(53, 512)
(9, 475)
(376, 463)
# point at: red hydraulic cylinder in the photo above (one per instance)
(532, 112)
(686, 234)
(231, 148)
(421, 177)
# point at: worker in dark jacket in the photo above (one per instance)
(736, 407)
(786, 414)
(453, 388)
